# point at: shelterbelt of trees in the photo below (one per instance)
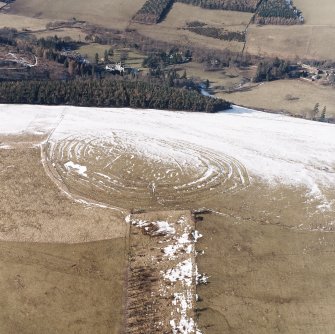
(201, 28)
(108, 93)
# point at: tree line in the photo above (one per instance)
(203, 29)
(108, 93)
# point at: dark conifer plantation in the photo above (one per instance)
(108, 93)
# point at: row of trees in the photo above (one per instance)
(218, 33)
(108, 93)
(153, 11)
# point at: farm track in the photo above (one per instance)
(154, 303)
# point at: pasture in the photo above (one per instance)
(20, 22)
(111, 14)
(315, 39)
(294, 96)
(170, 29)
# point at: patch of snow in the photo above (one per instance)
(196, 235)
(164, 228)
(5, 147)
(81, 170)
(182, 272)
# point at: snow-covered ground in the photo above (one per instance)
(276, 148)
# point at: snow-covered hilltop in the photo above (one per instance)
(275, 148)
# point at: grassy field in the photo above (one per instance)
(223, 79)
(235, 21)
(114, 14)
(58, 288)
(58, 271)
(22, 22)
(294, 96)
(305, 41)
(170, 29)
(268, 262)
(265, 278)
(317, 13)
(76, 34)
(29, 214)
(314, 39)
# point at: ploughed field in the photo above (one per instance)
(108, 195)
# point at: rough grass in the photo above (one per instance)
(303, 41)
(265, 278)
(220, 18)
(58, 288)
(34, 209)
(22, 22)
(55, 287)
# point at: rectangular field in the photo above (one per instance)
(170, 30)
(113, 14)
